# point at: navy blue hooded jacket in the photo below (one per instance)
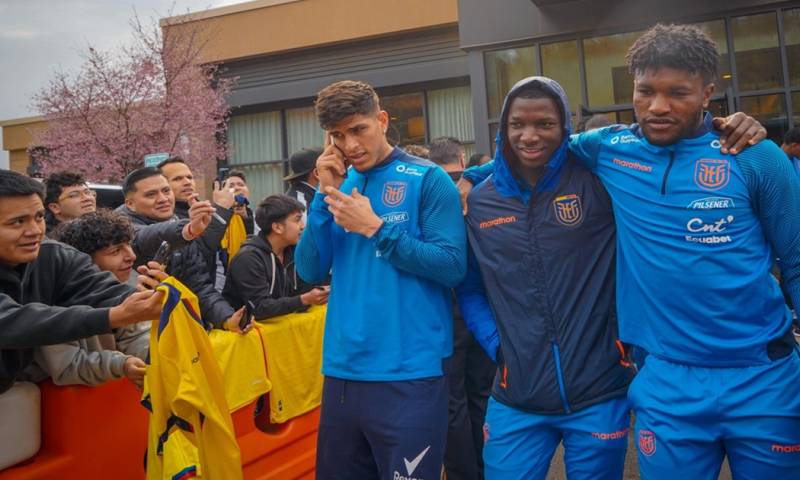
(541, 279)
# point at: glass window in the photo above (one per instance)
(758, 59)
(504, 68)
(718, 108)
(406, 121)
(796, 108)
(791, 30)
(450, 113)
(262, 180)
(560, 62)
(493, 128)
(302, 129)
(770, 110)
(716, 30)
(607, 77)
(255, 138)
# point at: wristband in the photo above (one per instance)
(191, 233)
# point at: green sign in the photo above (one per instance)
(153, 159)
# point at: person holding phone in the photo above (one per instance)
(263, 271)
(390, 229)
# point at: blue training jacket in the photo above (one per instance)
(389, 314)
(540, 281)
(697, 233)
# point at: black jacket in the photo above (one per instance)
(59, 297)
(256, 274)
(187, 262)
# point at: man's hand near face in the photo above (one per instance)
(739, 131)
(331, 167)
(353, 212)
(199, 219)
(223, 196)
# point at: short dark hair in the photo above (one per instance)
(682, 47)
(13, 184)
(417, 150)
(236, 173)
(475, 159)
(95, 231)
(792, 136)
(275, 208)
(445, 150)
(344, 99)
(173, 159)
(129, 184)
(57, 181)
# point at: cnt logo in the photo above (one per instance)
(707, 231)
(411, 466)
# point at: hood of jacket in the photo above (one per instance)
(507, 182)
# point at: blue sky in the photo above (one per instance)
(38, 37)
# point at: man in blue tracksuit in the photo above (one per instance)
(791, 147)
(697, 232)
(391, 232)
(539, 297)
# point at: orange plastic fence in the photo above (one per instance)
(101, 432)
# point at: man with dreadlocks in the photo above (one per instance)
(698, 227)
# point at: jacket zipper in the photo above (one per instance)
(560, 376)
(666, 173)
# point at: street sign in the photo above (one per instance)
(153, 159)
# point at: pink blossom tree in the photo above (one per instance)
(152, 96)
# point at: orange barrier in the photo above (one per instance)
(101, 432)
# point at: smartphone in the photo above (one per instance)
(346, 160)
(222, 174)
(162, 254)
(249, 313)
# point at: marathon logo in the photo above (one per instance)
(712, 203)
(611, 436)
(786, 448)
(395, 217)
(498, 221)
(633, 165)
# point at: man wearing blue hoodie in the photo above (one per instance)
(539, 297)
(390, 230)
(698, 230)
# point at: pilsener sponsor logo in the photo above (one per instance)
(498, 221)
(633, 165)
(712, 203)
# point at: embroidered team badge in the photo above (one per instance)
(647, 442)
(568, 210)
(711, 174)
(394, 193)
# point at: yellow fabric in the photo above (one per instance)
(244, 371)
(234, 236)
(184, 380)
(294, 362)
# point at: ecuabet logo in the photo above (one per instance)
(711, 174)
(394, 193)
(568, 209)
(647, 442)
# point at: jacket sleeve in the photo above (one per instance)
(81, 282)
(441, 253)
(69, 364)
(477, 174)
(314, 253)
(774, 188)
(147, 238)
(216, 230)
(134, 340)
(475, 308)
(36, 324)
(188, 266)
(251, 278)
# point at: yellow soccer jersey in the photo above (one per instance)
(190, 433)
(244, 369)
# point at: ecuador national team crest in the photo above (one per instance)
(568, 209)
(647, 442)
(394, 193)
(712, 174)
